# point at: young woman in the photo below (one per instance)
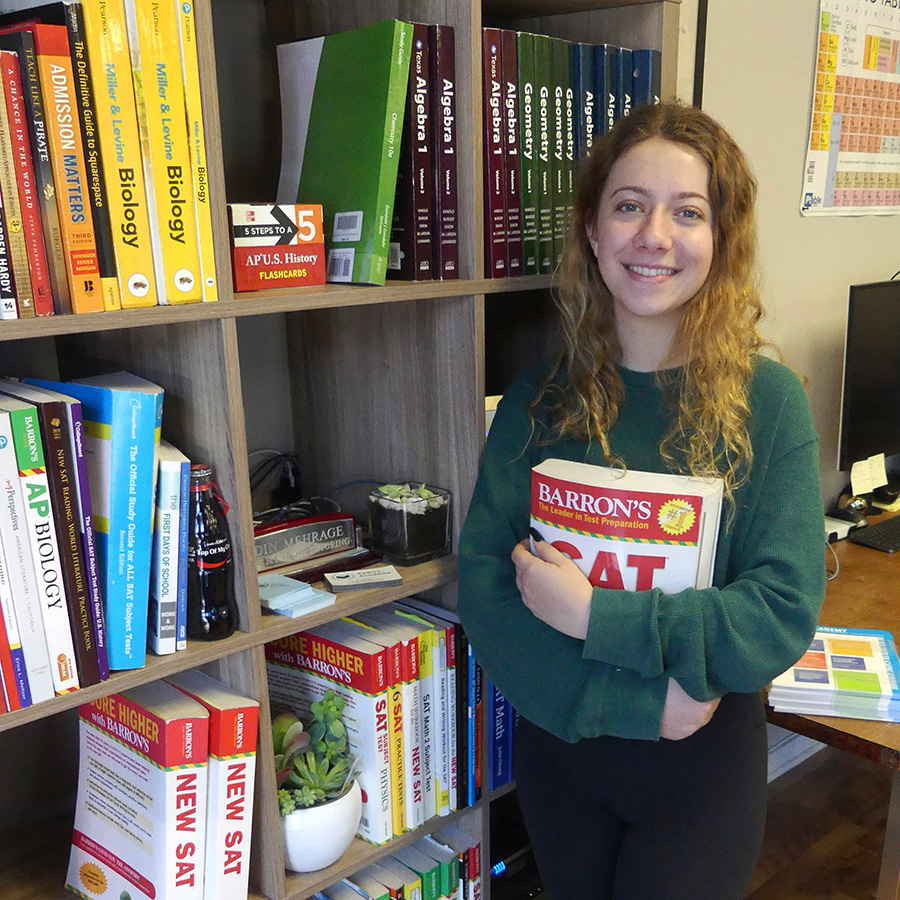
(640, 755)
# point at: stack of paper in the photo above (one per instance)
(848, 672)
(289, 597)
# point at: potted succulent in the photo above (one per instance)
(318, 792)
(410, 523)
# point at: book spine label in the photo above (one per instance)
(232, 767)
(647, 76)
(430, 727)
(88, 540)
(400, 56)
(12, 208)
(412, 224)
(495, 250)
(67, 160)
(54, 422)
(44, 549)
(500, 772)
(12, 660)
(624, 82)
(153, 39)
(528, 151)
(17, 547)
(453, 735)
(559, 80)
(605, 86)
(23, 44)
(162, 628)
(412, 736)
(300, 668)
(190, 69)
(122, 518)
(396, 715)
(120, 148)
(443, 104)
(99, 205)
(25, 178)
(511, 165)
(8, 306)
(183, 520)
(544, 131)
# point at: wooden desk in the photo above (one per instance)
(865, 594)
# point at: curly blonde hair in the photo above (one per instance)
(718, 333)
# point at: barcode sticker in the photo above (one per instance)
(340, 264)
(393, 260)
(347, 226)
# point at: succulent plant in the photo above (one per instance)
(313, 763)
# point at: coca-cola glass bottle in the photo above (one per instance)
(212, 613)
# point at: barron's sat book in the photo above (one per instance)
(629, 530)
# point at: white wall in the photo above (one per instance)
(759, 69)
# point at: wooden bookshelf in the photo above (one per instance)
(379, 378)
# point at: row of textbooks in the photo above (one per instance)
(369, 133)
(413, 707)
(445, 865)
(93, 533)
(165, 792)
(104, 200)
(545, 100)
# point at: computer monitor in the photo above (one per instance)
(870, 400)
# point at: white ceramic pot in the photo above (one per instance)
(316, 837)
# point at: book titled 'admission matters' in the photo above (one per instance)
(633, 530)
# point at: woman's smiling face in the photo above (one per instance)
(653, 232)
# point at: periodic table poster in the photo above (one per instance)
(853, 155)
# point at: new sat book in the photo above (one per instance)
(629, 530)
(140, 816)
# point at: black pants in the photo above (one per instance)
(616, 819)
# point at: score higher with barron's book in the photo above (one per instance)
(629, 530)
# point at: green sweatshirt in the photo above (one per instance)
(755, 622)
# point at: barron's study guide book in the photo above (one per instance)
(629, 530)
(233, 728)
(301, 667)
(847, 672)
(342, 109)
(140, 813)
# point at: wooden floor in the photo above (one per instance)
(825, 830)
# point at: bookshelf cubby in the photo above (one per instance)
(375, 381)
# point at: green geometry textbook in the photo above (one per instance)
(342, 103)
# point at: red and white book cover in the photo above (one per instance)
(301, 667)
(140, 816)
(630, 531)
(233, 729)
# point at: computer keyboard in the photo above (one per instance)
(882, 535)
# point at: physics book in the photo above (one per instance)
(140, 815)
(342, 110)
(233, 727)
(848, 672)
(629, 531)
